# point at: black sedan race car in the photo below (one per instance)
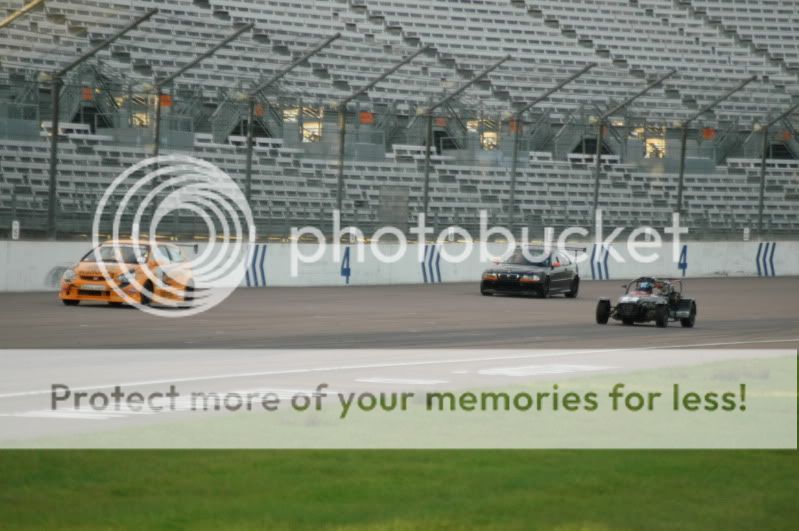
(649, 299)
(533, 271)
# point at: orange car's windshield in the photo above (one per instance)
(121, 253)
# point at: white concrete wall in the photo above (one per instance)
(37, 266)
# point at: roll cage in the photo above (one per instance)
(670, 288)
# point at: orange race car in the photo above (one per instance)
(150, 274)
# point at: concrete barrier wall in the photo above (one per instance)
(37, 266)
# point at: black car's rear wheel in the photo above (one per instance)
(602, 312)
(688, 322)
(662, 316)
(575, 288)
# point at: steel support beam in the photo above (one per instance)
(429, 113)
(250, 139)
(684, 134)
(24, 10)
(56, 80)
(517, 117)
(263, 86)
(342, 120)
(601, 123)
(763, 159)
(159, 85)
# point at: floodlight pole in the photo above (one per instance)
(265, 85)
(56, 78)
(517, 117)
(342, 119)
(429, 112)
(762, 196)
(601, 125)
(20, 13)
(159, 85)
(684, 134)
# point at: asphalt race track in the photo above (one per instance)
(730, 311)
(345, 336)
(742, 312)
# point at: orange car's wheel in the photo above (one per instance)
(70, 303)
(188, 297)
(146, 294)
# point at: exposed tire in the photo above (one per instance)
(145, 298)
(115, 304)
(188, 297)
(70, 303)
(575, 288)
(688, 322)
(602, 312)
(484, 292)
(545, 289)
(662, 316)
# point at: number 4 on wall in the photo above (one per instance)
(682, 265)
(345, 265)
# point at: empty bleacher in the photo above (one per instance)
(713, 44)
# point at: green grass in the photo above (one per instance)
(399, 489)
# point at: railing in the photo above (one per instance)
(727, 141)
(225, 118)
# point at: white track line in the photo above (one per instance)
(400, 381)
(393, 365)
(539, 370)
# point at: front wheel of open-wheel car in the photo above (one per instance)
(575, 288)
(662, 316)
(602, 312)
(688, 322)
(485, 292)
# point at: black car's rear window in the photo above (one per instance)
(540, 259)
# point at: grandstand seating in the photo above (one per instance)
(712, 43)
(769, 25)
(546, 38)
(288, 186)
